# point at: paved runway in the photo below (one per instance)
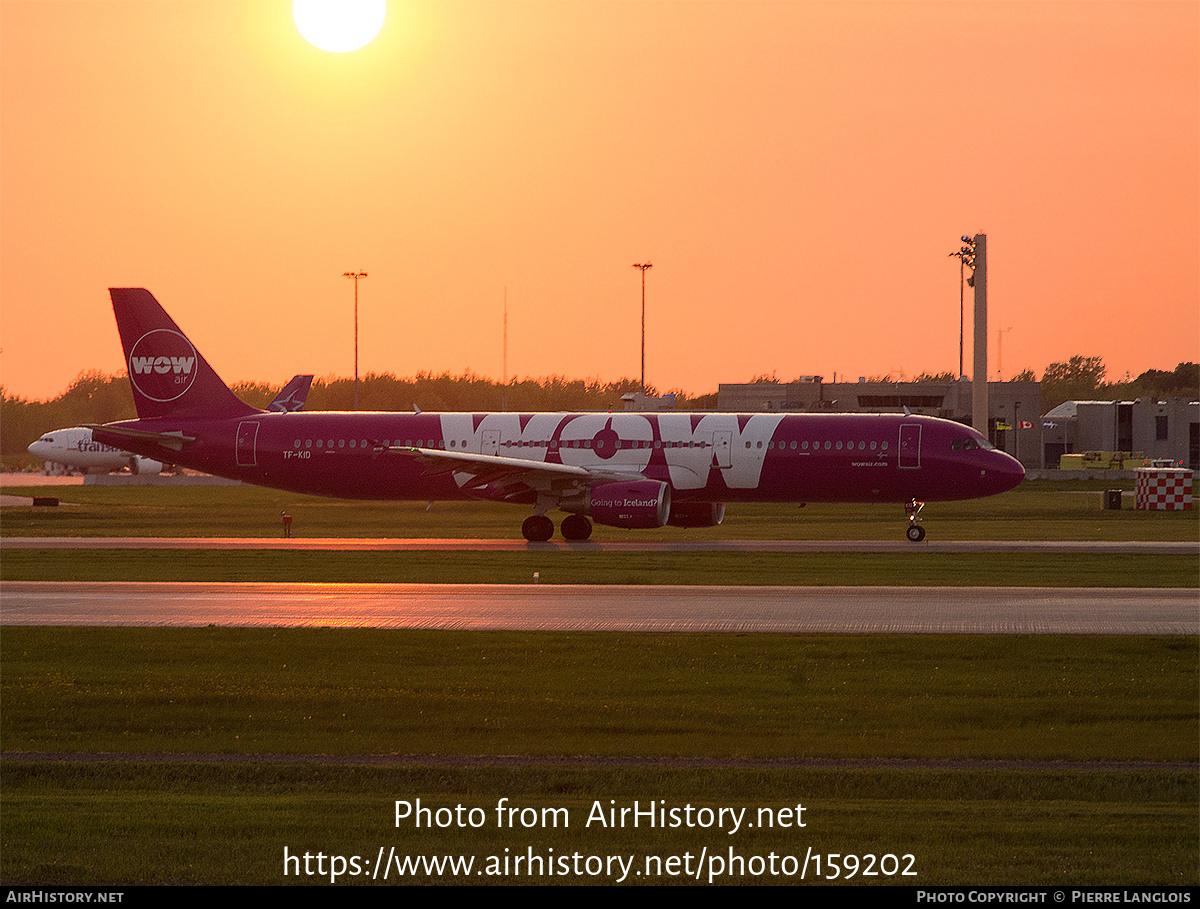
(385, 543)
(939, 610)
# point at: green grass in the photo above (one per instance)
(916, 568)
(322, 691)
(368, 691)
(1035, 510)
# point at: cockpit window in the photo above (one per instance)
(970, 444)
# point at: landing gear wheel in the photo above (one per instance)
(915, 531)
(576, 527)
(537, 528)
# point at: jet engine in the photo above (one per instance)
(139, 466)
(633, 504)
(697, 514)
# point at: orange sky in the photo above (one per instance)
(797, 172)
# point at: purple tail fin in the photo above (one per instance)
(168, 375)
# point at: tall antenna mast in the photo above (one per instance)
(643, 266)
(504, 394)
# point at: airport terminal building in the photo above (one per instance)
(1159, 430)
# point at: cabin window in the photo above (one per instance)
(828, 445)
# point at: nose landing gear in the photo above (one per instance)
(915, 531)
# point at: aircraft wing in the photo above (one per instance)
(172, 440)
(476, 471)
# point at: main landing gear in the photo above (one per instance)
(538, 528)
(915, 531)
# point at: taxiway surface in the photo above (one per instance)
(861, 610)
(422, 543)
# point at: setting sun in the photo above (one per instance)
(339, 26)
(798, 173)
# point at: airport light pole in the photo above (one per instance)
(966, 257)
(643, 266)
(973, 254)
(356, 276)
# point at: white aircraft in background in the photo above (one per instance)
(76, 448)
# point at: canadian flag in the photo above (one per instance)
(1025, 424)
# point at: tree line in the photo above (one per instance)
(1077, 379)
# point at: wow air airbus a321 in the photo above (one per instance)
(634, 470)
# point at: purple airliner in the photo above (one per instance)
(619, 469)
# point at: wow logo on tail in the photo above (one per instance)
(162, 364)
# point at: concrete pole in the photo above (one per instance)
(979, 379)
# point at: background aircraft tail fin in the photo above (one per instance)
(167, 373)
(293, 395)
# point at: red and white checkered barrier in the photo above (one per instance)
(1160, 489)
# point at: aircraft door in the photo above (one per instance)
(723, 447)
(910, 446)
(490, 442)
(247, 439)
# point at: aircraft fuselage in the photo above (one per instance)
(702, 456)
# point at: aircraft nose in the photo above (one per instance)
(1004, 471)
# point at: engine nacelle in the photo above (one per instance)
(144, 467)
(634, 504)
(697, 514)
